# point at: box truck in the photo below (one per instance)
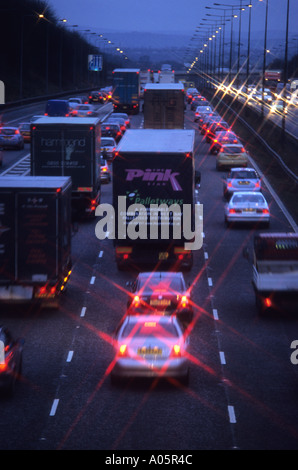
(154, 174)
(164, 105)
(69, 146)
(126, 90)
(35, 242)
(274, 259)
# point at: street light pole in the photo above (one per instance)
(264, 57)
(285, 75)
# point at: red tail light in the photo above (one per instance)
(3, 367)
(122, 350)
(176, 351)
(136, 301)
(184, 301)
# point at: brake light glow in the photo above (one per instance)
(267, 302)
(184, 301)
(176, 350)
(3, 367)
(123, 350)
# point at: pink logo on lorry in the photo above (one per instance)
(155, 176)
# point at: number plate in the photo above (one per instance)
(160, 302)
(149, 351)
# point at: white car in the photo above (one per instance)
(150, 346)
(84, 110)
(108, 147)
(248, 206)
(241, 179)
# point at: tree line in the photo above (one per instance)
(40, 55)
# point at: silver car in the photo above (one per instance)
(150, 346)
(247, 206)
(108, 147)
(241, 179)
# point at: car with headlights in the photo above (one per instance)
(96, 97)
(84, 110)
(189, 94)
(241, 179)
(152, 346)
(123, 116)
(198, 100)
(206, 117)
(11, 138)
(118, 120)
(216, 126)
(108, 148)
(161, 291)
(279, 107)
(11, 355)
(25, 131)
(231, 155)
(111, 130)
(105, 172)
(247, 206)
(200, 110)
(223, 137)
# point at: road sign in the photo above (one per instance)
(95, 63)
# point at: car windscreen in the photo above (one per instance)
(248, 198)
(233, 150)
(243, 174)
(7, 131)
(161, 285)
(107, 142)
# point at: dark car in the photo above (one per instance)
(221, 138)
(163, 292)
(25, 131)
(10, 138)
(11, 354)
(111, 130)
(124, 116)
(215, 127)
(96, 97)
(57, 108)
(198, 101)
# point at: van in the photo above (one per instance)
(57, 108)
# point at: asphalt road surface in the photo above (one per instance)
(243, 387)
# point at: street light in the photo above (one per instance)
(39, 16)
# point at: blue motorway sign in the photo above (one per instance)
(95, 63)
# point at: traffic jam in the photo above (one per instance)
(145, 289)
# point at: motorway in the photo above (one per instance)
(243, 387)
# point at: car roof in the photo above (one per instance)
(160, 275)
(161, 319)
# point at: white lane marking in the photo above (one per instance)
(210, 283)
(215, 314)
(232, 416)
(100, 254)
(54, 407)
(92, 280)
(222, 357)
(69, 356)
(83, 311)
(206, 255)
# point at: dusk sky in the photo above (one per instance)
(169, 15)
